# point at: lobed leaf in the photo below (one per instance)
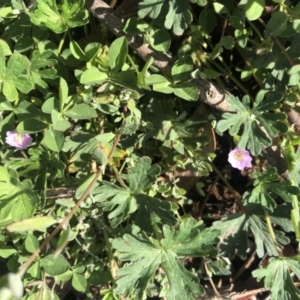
(146, 255)
(235, 228)
(255, 125)
(277, 277)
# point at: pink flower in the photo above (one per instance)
(240, 159)
(18, 140)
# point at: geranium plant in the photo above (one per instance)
(149, 149)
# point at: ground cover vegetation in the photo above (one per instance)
(149, 149)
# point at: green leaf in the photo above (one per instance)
(15, 76)
(267, 187)
(31, 243)
(37, 223)
(182, 69)
(156, 78)
(253, 120)
(63, 238)
(227, 42)
(93, 76)
(18, 201)
(160, 83)
(34, 270)
(207, 20)
(277, 277)
(220, 8)
(72, 14)
(235, 228)
(81, 111)
(146, 255)
(63, 93)
(26, 110)
(79, 282)
(100, 156)
(31, 126)
(42, 68)
(59, 123)
(54, 265)
(178, 17)
(135, 26)
(294, 70)
(277, 23)
(82, 188)
(7, 251)
(150, 7)
(178, 14)
(142, 175)
(187, 91)
(117, 53)
(160, 39)
(77, 52)
(23, 44)
(5, 48)
(254, 9)
(141, 76)
(47, 14)
(54, 139)
(123, 202)
(294, 157)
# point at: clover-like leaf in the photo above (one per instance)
(277, 277)
(267, 187)
(277, 23)
(55, 265)
(254, 9)
(259, 125)
(47, 14)
(15, 75)
(72, 14)
(178, 14)
(41, 68)
(146, 255)
(151, 8)
(235, 228)
(17, 199)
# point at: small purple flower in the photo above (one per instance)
(18, 140)
(240, 159)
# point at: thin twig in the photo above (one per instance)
(66, 220)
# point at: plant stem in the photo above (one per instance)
(288, 58)
(256, 30)
(271, 231)
(118, 176)
(61, 43)
(232, 78)
(236, 195)
(132, 63)
(65, 221)
(211, 281)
